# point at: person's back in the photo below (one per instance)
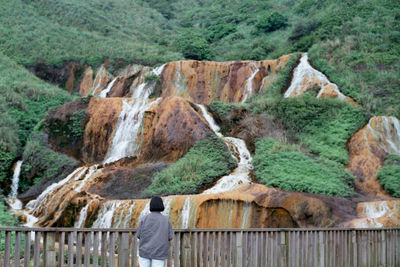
(154, 233)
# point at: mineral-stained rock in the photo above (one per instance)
(205, 82)
(306, 78)
(368, 148)
(170, 128)
(94, 87)
(102, 118)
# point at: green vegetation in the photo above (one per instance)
(41, 163)
(23, 101)
(286, 167)
(323, 125)
(389, 175)
(207, 160)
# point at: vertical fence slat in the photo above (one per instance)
(61, 242)
(27, 249)
(79, 249)
(36, 250)
(104, 242)
(17, 249)
(177, 237)
(112, 249)
(133, 250)
(96, 236)
(86, 260)
(123, 250)
(70, 260)
(7, 249)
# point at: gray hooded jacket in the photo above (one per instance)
(154, 233)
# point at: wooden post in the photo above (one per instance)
(7, 249)
(27, 251)
(283, 255)
(50, 249)
(123, 250)
(17, 250)
(239, 244)
(321, 247)
(186, 249)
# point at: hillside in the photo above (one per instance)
(51, 52)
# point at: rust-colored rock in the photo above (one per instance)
(170, 128)
(89, 86)
(306, 78)
(206, 81)
(367, 150)
(102, 118)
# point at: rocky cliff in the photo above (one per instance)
(141, 119)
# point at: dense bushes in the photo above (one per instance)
(207, 160)
(389, 175)
(286, 167)
(271, 22)
(41, 163)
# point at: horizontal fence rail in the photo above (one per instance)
(203, 247)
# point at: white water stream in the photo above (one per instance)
(12, 199)
(386, 133)
(249, 82)
(108, 88)
(129, 122)
(305, 76)
(240, 175)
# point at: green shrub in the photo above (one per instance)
(43, 163)
(285, 167)
(271, 22)
(389, 175)
(207, 160)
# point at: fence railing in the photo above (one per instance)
(203, 247)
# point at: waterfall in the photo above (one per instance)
(82, 216)
(185, 213)
(237, 146)
(46, 194)
(129, 122)
(12, 200)
(98, 79)
(105, 215)
(15, 180)
(386, 132)
(249, 82)
(109, 86)
(305, 76)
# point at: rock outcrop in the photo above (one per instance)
(368, 148)
(306, 78)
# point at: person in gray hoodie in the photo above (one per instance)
(154, 233)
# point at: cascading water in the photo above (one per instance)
(108, 88)
(12, 200)
(47, 193)
(129, 123)
(249, 82)
(82, 216)
(240, 175)
(386, 131)
(106, 213)
(97, 80)
(305, 76)
(185, 214)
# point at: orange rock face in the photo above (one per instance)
(94, 87)
(205, 82)
(102, 117)
(367, 150)
(170, 128)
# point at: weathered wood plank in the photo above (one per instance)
(104, 247)
(17, 249)
(134, 248)
(88, 242)
(7, 249)
(27, 249)
(61, 242)
(96, 237)
(36, 250)
(70, 260)
(111, 251)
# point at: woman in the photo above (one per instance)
(154, 233)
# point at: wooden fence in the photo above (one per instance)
(199, 247)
